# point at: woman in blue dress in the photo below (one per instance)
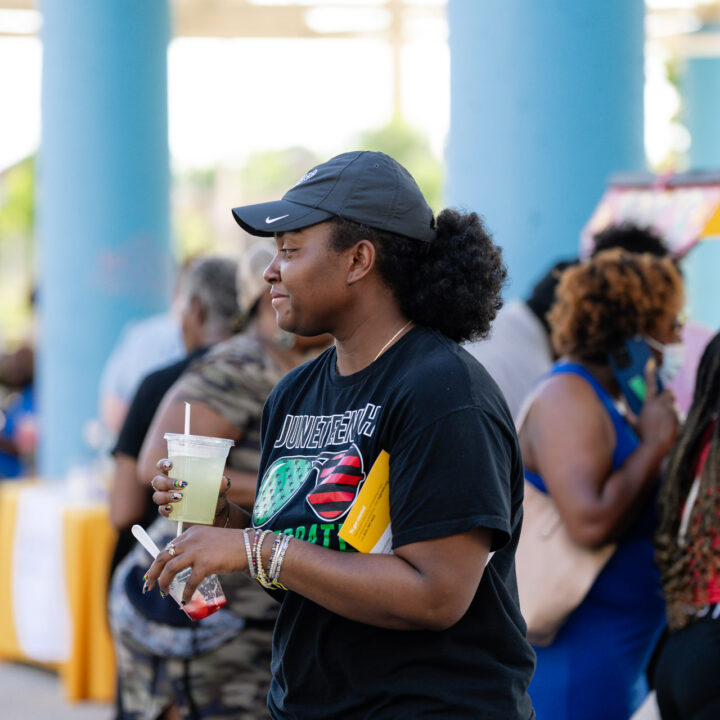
(600, 463)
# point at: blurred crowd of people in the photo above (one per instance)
(603, 465)
(18, 420)
(234, 355)
(620, 478)
(640, 478)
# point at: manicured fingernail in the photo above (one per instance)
(145, 587)
(168, 508)
(145, 577)
(182, 602)
(176, 496)
(179, 484)
(163, 594)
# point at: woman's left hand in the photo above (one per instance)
(206, 549)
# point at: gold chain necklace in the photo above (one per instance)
(390, 341)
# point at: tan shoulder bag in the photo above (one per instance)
(554, 573)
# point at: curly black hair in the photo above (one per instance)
(630, 237)
(615, 295)
(452, 285)
(542, 295)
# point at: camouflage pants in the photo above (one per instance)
(229, 682)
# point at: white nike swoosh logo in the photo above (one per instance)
(269, 220)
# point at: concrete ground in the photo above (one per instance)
(29, 693)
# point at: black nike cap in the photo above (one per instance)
(365, 187)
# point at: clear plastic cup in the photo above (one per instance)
(200, 461)
(207, 599)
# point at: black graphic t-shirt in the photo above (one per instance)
(454, 466)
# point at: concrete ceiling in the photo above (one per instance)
(670, 23)
(248, 19)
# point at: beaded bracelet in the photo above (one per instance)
(275, 576)
(262, 578)
(256, 537)
(248, 552)
(273, 556)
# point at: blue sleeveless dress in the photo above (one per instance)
(595, 669)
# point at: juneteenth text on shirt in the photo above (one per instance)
(316, 431)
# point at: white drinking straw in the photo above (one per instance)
(187, 432)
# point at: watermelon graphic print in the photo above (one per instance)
(335, 479)
(282, 480)
(339, 479)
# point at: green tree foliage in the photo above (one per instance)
(268, 174)
(17, 200)
(17, 249)
(271, 173)
(676, 157)
(412, 149)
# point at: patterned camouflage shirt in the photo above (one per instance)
(234, 379)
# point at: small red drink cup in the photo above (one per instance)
(207, 599)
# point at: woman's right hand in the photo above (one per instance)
(657, 423)
(169, 490)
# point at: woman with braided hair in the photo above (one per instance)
(687, 555)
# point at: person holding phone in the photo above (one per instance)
(432, 629)
(600, 463)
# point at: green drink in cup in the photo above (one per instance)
(200, 461)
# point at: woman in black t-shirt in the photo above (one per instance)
(428, 624)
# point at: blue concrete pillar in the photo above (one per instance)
(700, 270)
(546, 103)
(103, 218)
(701, 108)
(701, 113)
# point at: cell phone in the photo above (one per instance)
(628, 365)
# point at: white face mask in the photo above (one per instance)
(673, 358)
